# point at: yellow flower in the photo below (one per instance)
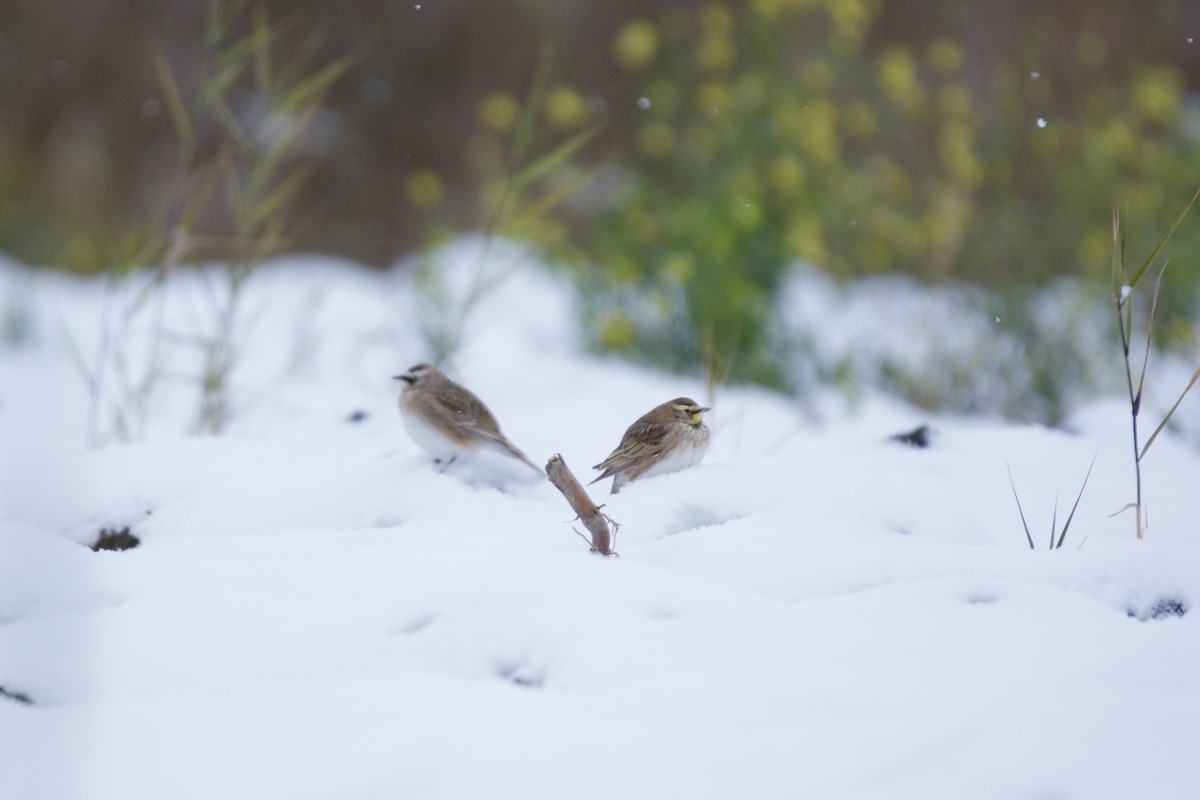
(785, 174)
(818, 136)
(804, 241)
(945, 56)
(616, 331)
(679, 267)
(956, 149)
(898, 77)
(624, 269)
(716, 53)
(715, 18)
(768, 9)
(712, 98)
(423, 189)
(850, 20)
(1156, 96)
(498, 111)
(635, 45)
(566, 109)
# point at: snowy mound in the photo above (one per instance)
(314, 611)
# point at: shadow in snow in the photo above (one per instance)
(521, 675)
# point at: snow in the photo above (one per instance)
(316, 612)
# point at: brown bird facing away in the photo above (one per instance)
(667, 438)
(447, 420)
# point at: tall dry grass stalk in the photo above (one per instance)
(249, 164)
(1124, 289)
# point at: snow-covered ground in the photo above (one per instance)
(315, 612)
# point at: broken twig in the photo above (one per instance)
(595, 520)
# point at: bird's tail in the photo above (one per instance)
(516, 452)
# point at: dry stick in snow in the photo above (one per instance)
(588, 512)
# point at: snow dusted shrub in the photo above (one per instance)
(1028, 354)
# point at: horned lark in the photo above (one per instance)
(447, 420)
(668, 438)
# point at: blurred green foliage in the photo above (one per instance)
(680, 154)
(774, 131)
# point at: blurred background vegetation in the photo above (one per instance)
(678, 156)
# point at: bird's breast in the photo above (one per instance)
(687, 453)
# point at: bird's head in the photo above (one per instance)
(687, 410)
(416, 376)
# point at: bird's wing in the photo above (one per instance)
(641, 444)
(469, 415)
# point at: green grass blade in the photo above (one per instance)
(1118, 254)
(261, 35)
(197, 199)
(1054, 522)
(1167, 418)
(281, 195)
(300, 59)
(1020, 510)
(533, 102)
(239, 55)
(552, 159)
(221, 16)
(545, 204)
(1137, 398)
(1137, 276)
(174, 100)
(213, 92)
(1071, 516)
(282, 147)
(309, 91)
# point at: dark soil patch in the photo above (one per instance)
(114, 539)
(1162, 608)
(920, 437)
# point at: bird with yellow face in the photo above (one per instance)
(668, 438)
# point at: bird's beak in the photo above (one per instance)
(409, 379)
(705, 409)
